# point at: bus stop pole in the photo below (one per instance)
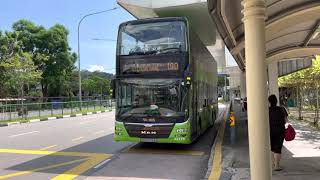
(256, 78)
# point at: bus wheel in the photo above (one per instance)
(199, 129)
(212, 119)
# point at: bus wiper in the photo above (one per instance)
(172, 49)
(131, 114)
(151, 52)
(136, 53)
(142, 53)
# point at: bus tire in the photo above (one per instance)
(196, 139)
(212, 119)
(200, 128)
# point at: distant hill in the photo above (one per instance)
(87, 74)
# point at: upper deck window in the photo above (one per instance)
(152, 38)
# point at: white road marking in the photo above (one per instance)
(13, 123)
(49, 147)
(34, 120)
(16, 135)
(77, 139)
(102, 163)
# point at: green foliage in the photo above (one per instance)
(19, 70)
(96, 83)
(51, 54)
(42, 59)
(306, 84)
(49, 51)
(304, 78)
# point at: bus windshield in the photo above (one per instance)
(152, 38)
(145, 97)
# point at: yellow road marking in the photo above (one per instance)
(93, 159)
(52, 153)
(83, 167)
(163, 151)
(77, 139)
(41, 169)
(48, 147)
(216, 165)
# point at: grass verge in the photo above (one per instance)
(58, 116)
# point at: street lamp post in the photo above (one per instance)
(79, 70)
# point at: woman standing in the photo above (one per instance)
(277, 120)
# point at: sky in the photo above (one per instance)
(95, 55)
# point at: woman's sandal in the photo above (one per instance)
(278, 169)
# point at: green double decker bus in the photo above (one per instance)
(166, 82)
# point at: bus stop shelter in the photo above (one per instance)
(259, 34)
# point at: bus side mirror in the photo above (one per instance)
(112, 92)
(188, 79)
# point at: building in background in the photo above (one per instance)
(234, 74)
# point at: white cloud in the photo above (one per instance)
(93, 68)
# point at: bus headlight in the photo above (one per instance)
(181, 135)
(118, 133)
(118, 128)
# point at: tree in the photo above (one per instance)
(13, 63)
(304, 81)
(3, 52)
(51, 54)
(19, 70)
(95, 85)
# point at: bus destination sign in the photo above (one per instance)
(150, 67)
(168, 65)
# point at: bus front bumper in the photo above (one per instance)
(180, 134)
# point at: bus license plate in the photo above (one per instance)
(148, 140)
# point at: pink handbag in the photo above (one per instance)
(290, 133)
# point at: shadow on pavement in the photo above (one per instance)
(298, 167)
(306, 133)
(102, 145)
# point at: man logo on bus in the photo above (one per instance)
(148, 132)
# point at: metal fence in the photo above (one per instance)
(28, 111)
(30, 99)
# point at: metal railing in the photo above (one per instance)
(27, 111)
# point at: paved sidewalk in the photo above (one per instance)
(301, 157)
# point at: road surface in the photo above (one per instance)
(83, 148)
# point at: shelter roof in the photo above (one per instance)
(292, 28)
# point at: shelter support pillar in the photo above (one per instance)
(256, 74)
(273, 80)
(243, 89)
